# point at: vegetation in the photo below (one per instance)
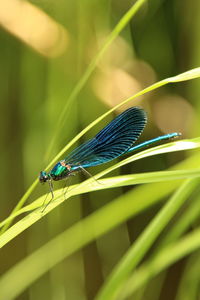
(131, 230)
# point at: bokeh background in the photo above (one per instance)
(45, 47)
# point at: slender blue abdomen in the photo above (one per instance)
(153, 141)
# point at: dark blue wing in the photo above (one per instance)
(111, 142)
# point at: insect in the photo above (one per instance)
(115, 139)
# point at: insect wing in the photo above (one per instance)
(111, 142)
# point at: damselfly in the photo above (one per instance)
(114, 140)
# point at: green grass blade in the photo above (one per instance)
(164, 259)
(81, 83)
(165, 148)
(183, 223)
(77, 236)
(194, 73)
(145, 241)
(191, 74)
(112, 182)
(35, 216)
(20, 204)
(189, 284)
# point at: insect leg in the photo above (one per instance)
(90, 175)
(45, 199)
(51, 191)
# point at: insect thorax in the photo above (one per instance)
(60, 171)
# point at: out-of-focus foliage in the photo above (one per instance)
(45, 48)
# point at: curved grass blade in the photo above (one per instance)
(191, 74)
(108, 183)
(164, 259)
(189, 278)
(183, 223)
(81, 233)
(145, 241)
(36, 215)
(114, 33)
(77, 236)
(188, 75)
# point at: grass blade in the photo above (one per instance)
(145, 241)
(164, 259)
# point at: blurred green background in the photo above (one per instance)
(45, 48)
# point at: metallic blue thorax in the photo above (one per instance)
(59, 171)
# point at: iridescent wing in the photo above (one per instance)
(111, 142)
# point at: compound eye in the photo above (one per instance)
(43, 177)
